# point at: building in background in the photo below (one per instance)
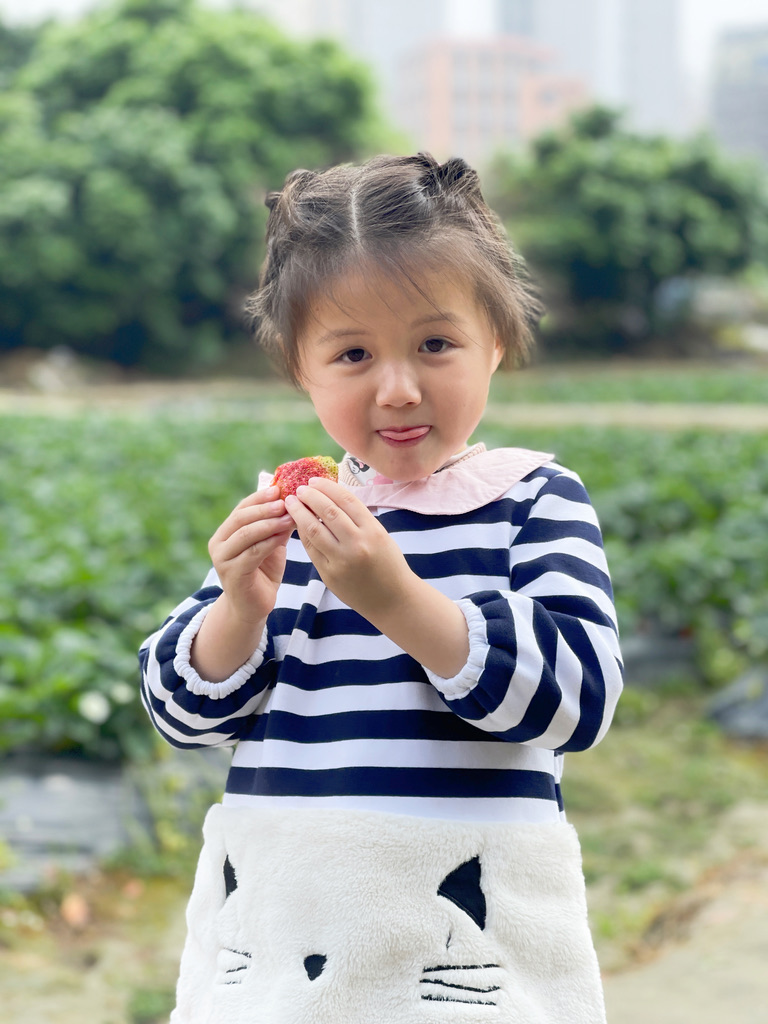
(628, 52)
(650, 78)
(739, 108)
(516, 17)
(472, 76)
(471, 97)
(458, 76)
(573, 30)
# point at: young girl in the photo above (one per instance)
(400, 659)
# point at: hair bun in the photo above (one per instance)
(452, 176)
(430, 178)
(298, 177)
(271, 200)
(454, 170)
(426, 160)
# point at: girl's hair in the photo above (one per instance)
(398, 215)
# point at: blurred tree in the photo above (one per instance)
(618, 226)
(137, 144)
(16, 44)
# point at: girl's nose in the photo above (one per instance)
(398, 385)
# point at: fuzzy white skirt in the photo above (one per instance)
(348, 917)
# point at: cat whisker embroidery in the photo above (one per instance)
(230, 963)
(477, 989)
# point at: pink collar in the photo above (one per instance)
(464, 486)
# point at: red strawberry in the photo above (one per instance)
(291, 475)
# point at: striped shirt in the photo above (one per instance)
(330, 712)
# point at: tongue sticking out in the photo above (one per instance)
(406, 434)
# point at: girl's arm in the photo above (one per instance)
(544, 666)
(536, 663)
(187, 709)
(199, 671)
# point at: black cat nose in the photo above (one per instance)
(314, 965)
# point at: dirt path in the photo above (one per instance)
(267, 402)
(650, 415)
(109, 941)
(711, 965)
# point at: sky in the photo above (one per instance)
(701, 21)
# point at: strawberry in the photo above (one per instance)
(291, 475)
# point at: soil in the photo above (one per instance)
(706, 958)
(92, 951)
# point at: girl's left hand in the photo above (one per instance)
(357, 559)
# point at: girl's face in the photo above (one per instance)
(398, 379)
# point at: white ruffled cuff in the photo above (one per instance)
(463, 682)
(203, 687)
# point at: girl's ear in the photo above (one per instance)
(498, 354)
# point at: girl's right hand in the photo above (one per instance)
(248, 553)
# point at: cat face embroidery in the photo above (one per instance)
(444, 982)
(324, 917)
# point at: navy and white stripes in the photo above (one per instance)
(330, 712)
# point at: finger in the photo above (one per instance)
(277, 540)
(268, 547)
(325, 509)
(259, 497)
(344, 499)
(243, 515)
(249, 536)
(303, 513)
(317, 539)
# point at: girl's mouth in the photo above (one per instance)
(403, 437)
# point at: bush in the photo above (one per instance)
(138, 143)
(619, 226)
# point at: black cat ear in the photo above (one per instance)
(462, 887)
(230, 878)
(314, 965)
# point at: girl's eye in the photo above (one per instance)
(354, 355)
(434, 345)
